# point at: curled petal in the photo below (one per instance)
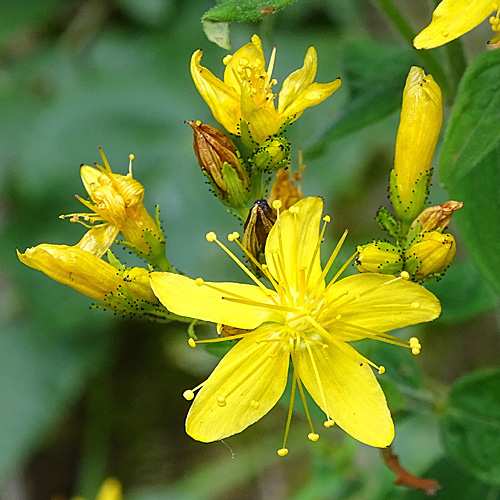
(244, 386)
(223, 101)
(99, 239)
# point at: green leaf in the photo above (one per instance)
(470, 426)
(462, 293)
(375, 94)
(478, 219)
(216, 20)
(473, 132)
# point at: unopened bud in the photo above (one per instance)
(379, 257)
(220, 162)
(272, 155)
(431, 255)
(437, 217)
(419, 127)
(259, 223)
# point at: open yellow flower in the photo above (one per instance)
(453, 18)
(299, 319)
(246, 92)
(116, 205)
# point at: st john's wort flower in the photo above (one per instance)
(300, 320)
(247, 91)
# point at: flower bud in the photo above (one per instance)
(379, 257)
(259, 223)
(272, 155)
(419, 127)
(220, 162)
(437, 217)
(431, 255)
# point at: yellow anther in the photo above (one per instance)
(283, 452)
(405, 275)
(131, 156)
(338, 316)
(198, 122)
(211, 236)
(312, 436)
(381, 370)
(264, 267)
(415, 351)
(294, 210)
(329, 423)
(445, 33)
(227, 59)
(221, 401)
(233, 236)
(277, 204)
(327, 218)
(413, 340)
(254, 404)
(191, 342)
(415, 305)
(199, 281)
(189, 395)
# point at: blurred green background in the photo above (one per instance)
(85, 394)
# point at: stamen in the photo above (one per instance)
(221, 401)
(254, 404)
(270, 67)
(312, 435)
(329, 423)
(284, 451)
(405, 275)
(104, 159)
(188, 395)
(326, 220)
(130, 158)
(191, 342)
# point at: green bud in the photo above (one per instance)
(430, 255)
(379, 257)
(271, 155)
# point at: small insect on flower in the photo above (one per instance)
(299, 320)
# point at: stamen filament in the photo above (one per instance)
(290, 411)
(304, 402)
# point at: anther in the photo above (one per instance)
(327, 218)
(211, 236)
(221, 401)
(191, 342)
(254, 404)
(294, 210)
(233, 236)
(199, 281)
(282, 452)
(312, 436)
(189, 395)
(277, 205)
(329, 423)
(381, 370)
(415, 351)
(405, 275)
(415, 305)
(131, 156)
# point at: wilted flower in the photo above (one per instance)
(453, 18)
(437, 217)
(246, 92)
(302, 320)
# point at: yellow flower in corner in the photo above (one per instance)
(247, 90)
(453, 18)
(300, 320)
(116, 204)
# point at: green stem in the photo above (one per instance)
(430, 62)
(457, 61)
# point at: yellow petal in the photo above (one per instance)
(298, 81)
(183, 296)
(90, 177)
(74, 267)
(378, 302)
(250, 378)
(98, 239)
(451, 19)
(263, 122)
(111, 489)
(310, 96)
(347, 391)
(294, 238)
(223, 101)
(250, 55)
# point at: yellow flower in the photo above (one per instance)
(111, 489)
(418, 132)
(453, 18)
(116, 204)
(246, 92)
(88, 274)
(299, 319)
